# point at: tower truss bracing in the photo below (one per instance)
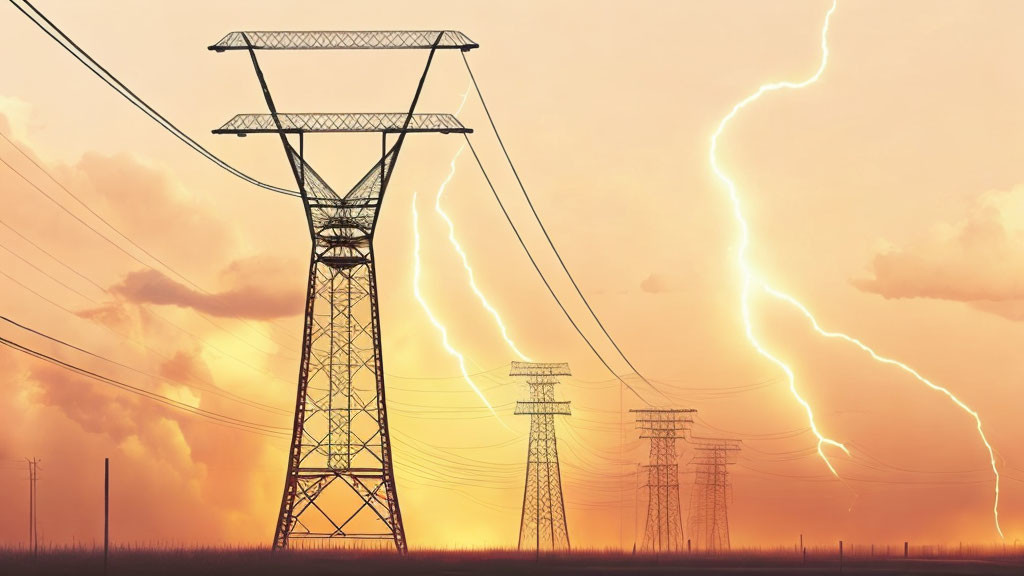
(340, 483)
(542, 524)
(708, 521)
(663, 531)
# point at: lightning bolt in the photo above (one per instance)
(417, 273)
(750, 281)
(465, 260)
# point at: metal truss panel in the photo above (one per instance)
(340, 482)
(527, 407)
(542, 525)
(663, 531)
(708, 522)
(539, 369)
(386, 122)
(345, 40)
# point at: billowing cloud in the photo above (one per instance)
(979, 261)
(251, 296)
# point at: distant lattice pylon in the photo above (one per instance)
(708, 521)
(542, 525)
(664, 529)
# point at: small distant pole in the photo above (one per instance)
(688, 546)
(33, 499)
(872, 550)
(801, 541)
(906, 549)
(805, 555)
(840, 556)
(106, 512)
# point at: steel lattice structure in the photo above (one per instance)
(340, 483)
(346, 40)
(708, 521)
(542, 525)
(664, 529)
(390, 123)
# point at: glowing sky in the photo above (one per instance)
(888, 197)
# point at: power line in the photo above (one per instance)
(82, 56)
(106, 238)
(212, 388)
(156, 313)
(94, 213)
(216, 417)
(543, 277)
(45, 273)
(548, 236)
(52, 257)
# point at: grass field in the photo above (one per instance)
(259, 562)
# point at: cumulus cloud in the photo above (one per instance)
(72, 422)
(979, 261)
(247, 301)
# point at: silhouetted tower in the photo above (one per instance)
(709, 500)
(664, 530)
(340, 482)
(542, 524)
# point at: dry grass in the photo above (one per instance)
(260, 561)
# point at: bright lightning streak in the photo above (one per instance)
(465, 260)
(977, 419)
(750, 279)
(747, 272)
(417, 271)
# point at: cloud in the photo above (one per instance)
(979, 261)
(246, 301)
(656, 283)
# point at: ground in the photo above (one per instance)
(256, 562)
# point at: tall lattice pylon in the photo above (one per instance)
(708, 521)
(340, 483)
(664, 528)
(542, 525)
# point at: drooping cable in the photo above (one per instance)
(543, 278)
(216, 417)
(210, 387)
(122, 249)
(51, 30)
(547, 236)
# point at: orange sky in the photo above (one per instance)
(887, 197)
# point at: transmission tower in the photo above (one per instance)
(340, 483)
(709, 500)
(542, 524)
(664, 530)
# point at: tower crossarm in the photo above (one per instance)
(539, 369)
(715, 444)
(346, 40)
(377, 122)
(543, 407)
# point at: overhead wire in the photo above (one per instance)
(547, 236)
(120, 248)
(212, 388)
(55, 33)
(543, 278)
(219, 418)
(156, 313)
